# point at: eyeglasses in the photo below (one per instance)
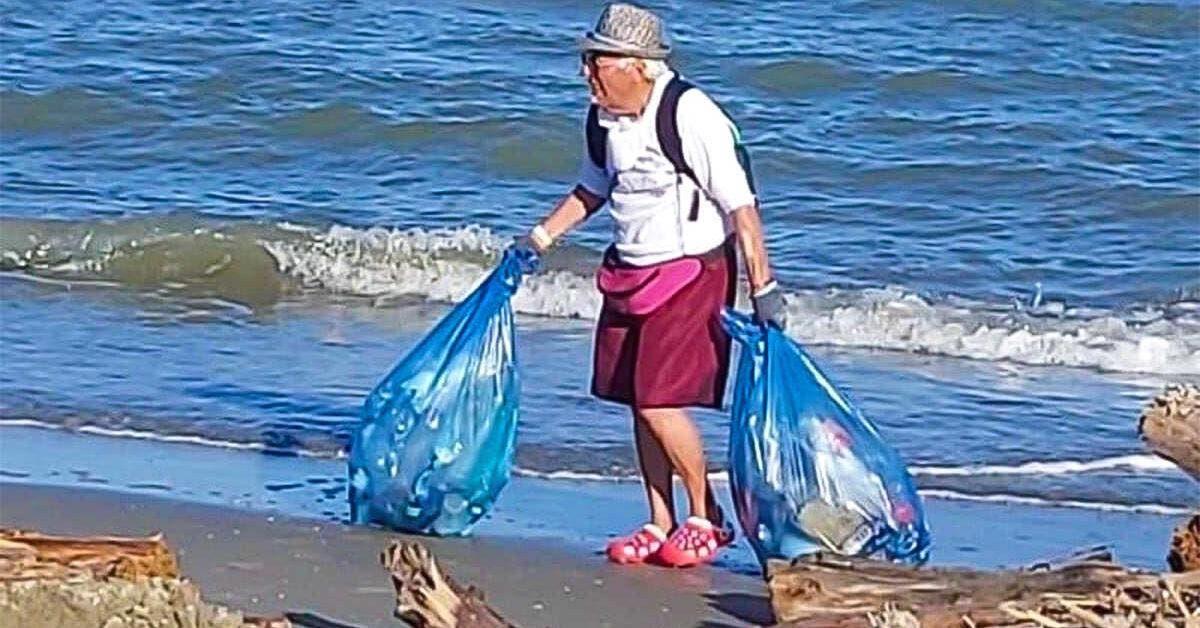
(592, 61)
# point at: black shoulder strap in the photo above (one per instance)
(668, 133)
(597, 138)
(667, 126)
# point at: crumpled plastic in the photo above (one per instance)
(436, 441)
(808, 472)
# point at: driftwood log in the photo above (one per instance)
(1170, 425)
(823, 591)
(30, 555)
(427, 597)
(115, 582)
(1185, 546)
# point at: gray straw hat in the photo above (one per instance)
(625, 29)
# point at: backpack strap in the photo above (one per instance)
(672, 146)
(597, 138)
(668, 133)
(743, 157)
(667, 126)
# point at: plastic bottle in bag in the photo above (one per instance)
(808, 471)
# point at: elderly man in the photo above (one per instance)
(667, 161)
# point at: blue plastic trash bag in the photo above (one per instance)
(435, 444)
(808, 471)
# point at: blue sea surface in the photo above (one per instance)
(223, 222)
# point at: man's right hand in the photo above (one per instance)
(526, 243)
(527, 252)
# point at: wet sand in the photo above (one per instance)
(251, 527)
(268, 564)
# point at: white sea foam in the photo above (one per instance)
(186, 439)
(444, 265)
(1136, 463)
(721, 478)
(1132, 462)
(1153, 509)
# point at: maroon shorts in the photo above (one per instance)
(676, 356)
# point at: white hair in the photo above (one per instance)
(651, 68)
(654, 68)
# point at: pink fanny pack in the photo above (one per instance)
(639, 290)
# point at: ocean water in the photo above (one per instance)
(222, 223)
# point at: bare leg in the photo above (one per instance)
(656, 475)
(679, 439)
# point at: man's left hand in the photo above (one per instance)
(769, 306)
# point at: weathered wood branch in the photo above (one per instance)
(1185, 546)
(29, 555)
(821, 590)
(429, 598)
(116, 582)
(1170, 425)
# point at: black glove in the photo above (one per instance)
(768, 306)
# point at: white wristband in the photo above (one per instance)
(766, 289)
(541, 237)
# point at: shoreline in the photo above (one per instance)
(270, 564)
(251, 527)
(578, 514)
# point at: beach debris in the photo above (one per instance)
(27, 554)
(1185, 546)
(1086, 590)
(1170, 425)
(892, 617)
(427, 597)
(1121, 606)
(109, 581)
(83, 601)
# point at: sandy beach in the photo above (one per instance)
(271, 564)
(270, 538)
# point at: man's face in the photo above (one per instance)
(612, 81)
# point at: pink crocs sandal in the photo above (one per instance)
(696, 541)
(637, 547)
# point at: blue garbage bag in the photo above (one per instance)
(808, 472)
(435, 444)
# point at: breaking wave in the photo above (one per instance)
(258, 263)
